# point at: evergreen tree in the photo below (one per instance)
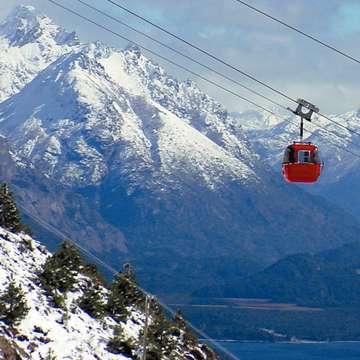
(188, 336)
(9, 213)
(92, 302)
(94, 274)
(159, 336)
(61, 268)
(13, 307)
(124, 292)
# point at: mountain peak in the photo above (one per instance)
(23, 25)
(134, 49)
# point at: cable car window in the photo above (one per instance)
(289, 155)
(304, 156)
(286, 155)
(316, 157)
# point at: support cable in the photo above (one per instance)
(161, 57)
(205, 52)
(182, 54)
(311, 37)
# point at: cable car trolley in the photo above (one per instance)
(301, 162)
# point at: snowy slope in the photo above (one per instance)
(28, 43)
(69, 334)
(78, 336)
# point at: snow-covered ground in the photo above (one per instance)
(69, 334)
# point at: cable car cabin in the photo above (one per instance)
(301, 163)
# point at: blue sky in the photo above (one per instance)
(245, 39)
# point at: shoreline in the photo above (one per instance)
(282, 342)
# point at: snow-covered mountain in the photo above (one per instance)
(28, 43)
(68, 332)
(42, 198)
(79, 124)
(156, 158)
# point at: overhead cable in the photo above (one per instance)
(233, 67)
(182, 54)
(303, 33)
(162, 57)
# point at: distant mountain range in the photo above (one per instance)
(152, 168)
(330, 278)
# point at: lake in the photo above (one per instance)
(289, 351)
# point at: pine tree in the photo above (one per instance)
(94, 274)
(13, 306)
(9, 213)
(92, 302)
(189, 337)
(61, 268)
(159, 336)
(124, 292)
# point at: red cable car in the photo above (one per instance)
(301, 163)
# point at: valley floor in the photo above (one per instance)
(260, 320)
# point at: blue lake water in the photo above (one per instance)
(287, 351)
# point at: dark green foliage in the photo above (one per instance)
(58, 298)
(118, 344)
(197, 354)
(60, 269)
(189, 337)
(13, 307)
(164, 336)
(210, 354)
(179, 320)
(159, 340)
(9, 213)
(93, 273)
(92, 302)
(124, 292)
(153, 354)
